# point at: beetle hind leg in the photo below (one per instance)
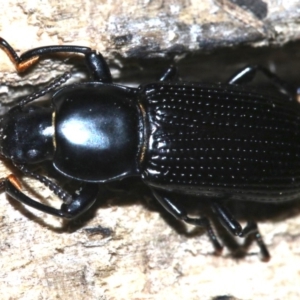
(179, 213)
(252, 229)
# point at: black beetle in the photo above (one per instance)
(213, 141)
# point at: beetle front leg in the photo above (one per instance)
(95, 62)
(234, 227)
(164, 198)
(72, 207)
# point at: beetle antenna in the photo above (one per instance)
(47, 89)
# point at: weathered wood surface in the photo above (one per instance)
(141, 256)
(144, 29)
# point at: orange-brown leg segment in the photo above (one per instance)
(73, 205)
(21, 65)
(95, 62)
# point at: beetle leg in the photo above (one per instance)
(252, 229)
(179, 213)
(226, 219)
(11, 53)
(11, 188)
(73, 206)
(81, 201)
(248, 73)
(233, 226)
(169, 74)
(98, 67)
(95, 62)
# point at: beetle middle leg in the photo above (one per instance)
(247, 74)
(169, 74)
(164, 198)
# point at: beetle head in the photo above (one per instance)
(26, 134)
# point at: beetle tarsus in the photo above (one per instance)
(251, 229)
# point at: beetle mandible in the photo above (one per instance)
(212, 141)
